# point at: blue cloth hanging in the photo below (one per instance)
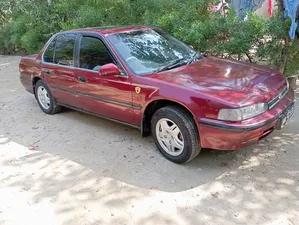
(248, 5)
(244, 8)
(291, 8)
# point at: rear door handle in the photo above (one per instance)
(47, 72)
(82, 79)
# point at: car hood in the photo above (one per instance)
(227, 80)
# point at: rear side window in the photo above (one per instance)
(64, 50)
(49, 53)
(93, 53)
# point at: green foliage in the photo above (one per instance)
(6, 9)
(5, 44)
(29, 23)
(292, 66)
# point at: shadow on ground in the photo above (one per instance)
(245, 187)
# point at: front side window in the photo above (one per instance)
(148, 51)
(49, 53)
(64, 50)
(93, 54)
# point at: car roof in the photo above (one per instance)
(110, 29)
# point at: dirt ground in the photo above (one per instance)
(76, 169)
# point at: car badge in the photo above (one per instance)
(137, 90)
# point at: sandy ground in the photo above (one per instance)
(76, 169)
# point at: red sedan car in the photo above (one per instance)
(148, 79)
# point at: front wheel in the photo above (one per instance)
(175, 134)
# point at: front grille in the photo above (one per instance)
(278, 97)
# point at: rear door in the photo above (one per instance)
(109, 96)
(59, 70)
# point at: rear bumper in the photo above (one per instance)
(223, 135)
(27, 83)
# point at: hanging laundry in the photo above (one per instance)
(291, 9)
(243, 7)
(270, 8)
(248, 6)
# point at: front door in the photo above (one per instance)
(108, 96)
(59, 70)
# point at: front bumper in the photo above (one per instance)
(224, 135)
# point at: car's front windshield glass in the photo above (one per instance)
(149, 51)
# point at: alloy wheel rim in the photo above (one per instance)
(170, 137)
(43, 97)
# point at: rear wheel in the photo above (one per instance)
(175, 134)
(45, 99)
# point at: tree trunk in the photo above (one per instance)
(284, 55)
(281, 9)
(285, 49)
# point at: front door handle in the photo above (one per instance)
(82, 79)
(47, 72)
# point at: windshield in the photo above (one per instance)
(149, 51)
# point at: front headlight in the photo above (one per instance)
(242, 113)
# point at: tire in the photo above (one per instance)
(45, 98)
(177, 145)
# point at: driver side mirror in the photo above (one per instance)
(109, 70)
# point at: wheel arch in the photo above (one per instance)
(155, 105)
(34, 81)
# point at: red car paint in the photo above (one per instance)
(203, 88)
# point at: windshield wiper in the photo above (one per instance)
(171, 65)
(180, 62)
(194, 58)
